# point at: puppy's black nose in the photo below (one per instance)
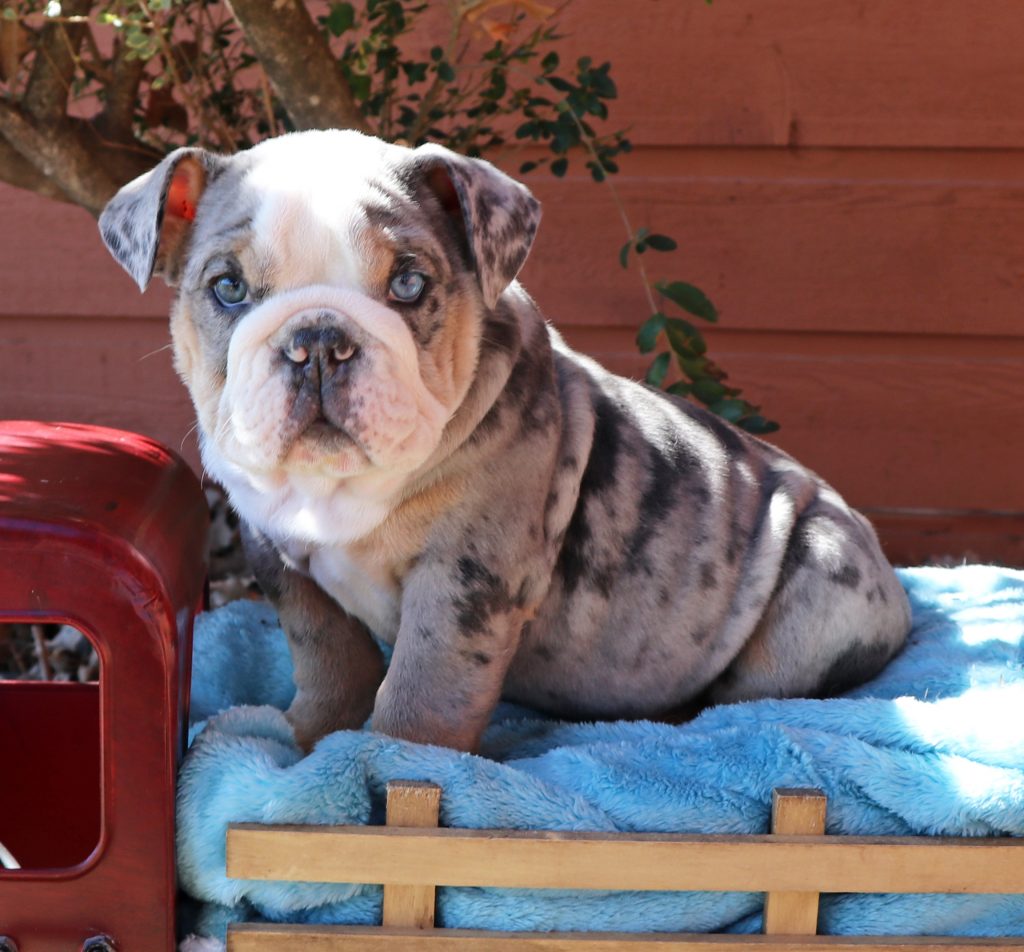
(325, 346)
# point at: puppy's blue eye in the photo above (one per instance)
(230, 290)
(407, 286)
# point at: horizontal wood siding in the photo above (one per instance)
(846, 181)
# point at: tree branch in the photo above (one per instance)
(299, 63)
(122, 93)
(19, 172)
(61, 155)
(47, 94)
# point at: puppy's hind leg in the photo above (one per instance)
(837, 616)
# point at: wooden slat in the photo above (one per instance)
(552, 860)
(805, 253)
(411, 804)
(795, 73)
(251, 937)
(795, 812)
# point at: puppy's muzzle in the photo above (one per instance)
(323, 348)
(318, 354)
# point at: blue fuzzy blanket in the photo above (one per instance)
(935, 745)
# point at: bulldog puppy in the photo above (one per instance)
(418, 456)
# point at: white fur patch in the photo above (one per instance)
(368, 593)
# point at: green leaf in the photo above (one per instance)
(689, 298)
(647, 336)
(708, 391)
(341, 18)
(679, 389)
(624, 253)
(436, 54)
(731, 410)
(360, 86)
(415, 72)
(549, 62)
(684, 338)
(656, 372)
(758, 425)
(445, 72)
(562, 85)
(662, 243)
(560, 166)
(694, 367)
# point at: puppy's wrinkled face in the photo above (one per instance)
(331, 296)
(321, 328)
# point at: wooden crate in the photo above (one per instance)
(411, 856)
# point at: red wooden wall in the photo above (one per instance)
(846, 181)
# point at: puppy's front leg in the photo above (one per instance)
(457, 637)
(337, 665)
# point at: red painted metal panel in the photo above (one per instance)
(50, 752)
(105, 530)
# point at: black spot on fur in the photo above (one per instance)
(797, 554)
(501, 332)
(576, 562)
(485, 595)
(669, 467)
(473, 572)
(602, 465)
(708, 577)
(479, 658)
(543, 652)
(848, 576)
(551, 501)
(424, 633)
(483, 209)
(857, 664)
(530, 392)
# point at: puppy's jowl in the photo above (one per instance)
(416, 454)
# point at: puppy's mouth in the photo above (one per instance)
(326, 434)
(316, 432)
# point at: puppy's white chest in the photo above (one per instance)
(363, 589)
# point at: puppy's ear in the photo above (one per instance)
(497, 215)
(145, 225)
